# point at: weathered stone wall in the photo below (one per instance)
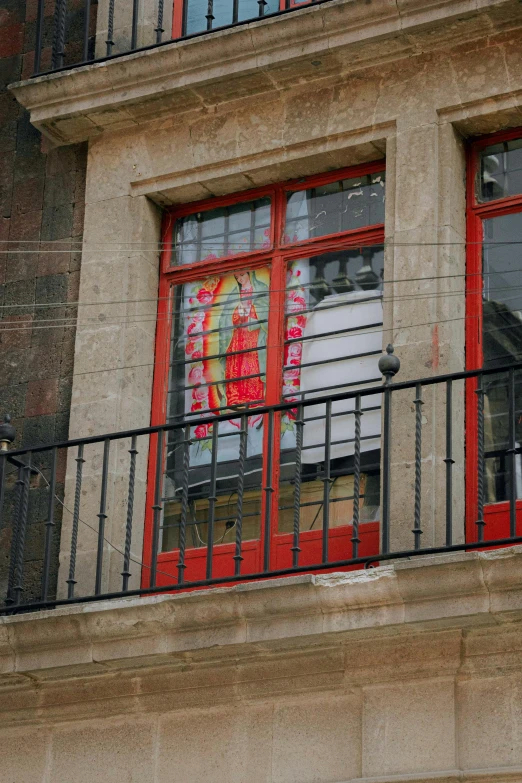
(327, 87)
(42, 194)
(403, 674)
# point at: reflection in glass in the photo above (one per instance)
(218, 364)
(225, 231)
(333, 329)
(502, 344)
(224, 12)
(339, 206)
(500, 171)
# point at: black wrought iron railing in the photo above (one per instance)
(73, 514)
(83, 31)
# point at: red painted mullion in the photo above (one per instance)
(158, 414)
(476, 213)
(358, 237)
(219, 266)
(349, 172)
(177, 19)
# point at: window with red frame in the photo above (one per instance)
(271, 295)
(494, 317)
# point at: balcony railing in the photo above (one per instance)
(83, 31)
(72, 513)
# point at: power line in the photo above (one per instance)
(257, 246)
(396, 281)
(125, 319)
(106, 540)
(277, 345)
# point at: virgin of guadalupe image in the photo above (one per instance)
(243, 327)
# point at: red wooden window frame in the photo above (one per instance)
(276, 256)
(496, 515)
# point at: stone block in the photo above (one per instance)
(489, 720)
(409, 728)
(24, 758)
(113, 750)
(317, 739)
(232, 745)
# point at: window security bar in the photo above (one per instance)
(57, 494)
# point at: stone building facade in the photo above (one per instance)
(406, 672)
(42, 197)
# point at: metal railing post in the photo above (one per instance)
(389, 366)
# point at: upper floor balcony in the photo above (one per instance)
(308, 485)
(110, 66)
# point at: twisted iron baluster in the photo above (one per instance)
(14, 537)
(449, 466)
(76, 518)
(22, 527)
(184, 506)
(210, 14)
(39, 37)
(417, 532)
(327, 479)
(356, 477)
(297, 485)
(130, 509)
(110, 28)
(159, 29)
(157, 508)
(240, 491)
(49, 525)
(480, 458)
(59, 34)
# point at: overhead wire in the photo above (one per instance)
(40, 323)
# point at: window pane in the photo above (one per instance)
(502, 341)
(340, 206)
(249, 9)
(223, 12)
(218, 363)
(333, 328)
(500, 171)
(225, 231)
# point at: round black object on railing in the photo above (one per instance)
(389, 364)
(7, 433)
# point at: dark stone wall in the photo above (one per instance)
(41, 222)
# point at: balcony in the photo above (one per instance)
(76, 501)
(76, 33)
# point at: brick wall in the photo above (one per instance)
(41, 221)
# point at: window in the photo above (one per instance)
(494, 317)
(197, 16)
(274, 295)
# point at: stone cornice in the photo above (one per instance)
(264, 56)
(302, 613)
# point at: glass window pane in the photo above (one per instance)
(500, 171)
(333, 326)
(218, 364)
(502, 344)
(249, 9)
(225, 231)
(223, 12)
(339, 206)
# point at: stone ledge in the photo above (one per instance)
(498, 774)
(260, 57)
(302, 612)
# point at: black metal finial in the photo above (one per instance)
(7, 433)
(389, 365)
